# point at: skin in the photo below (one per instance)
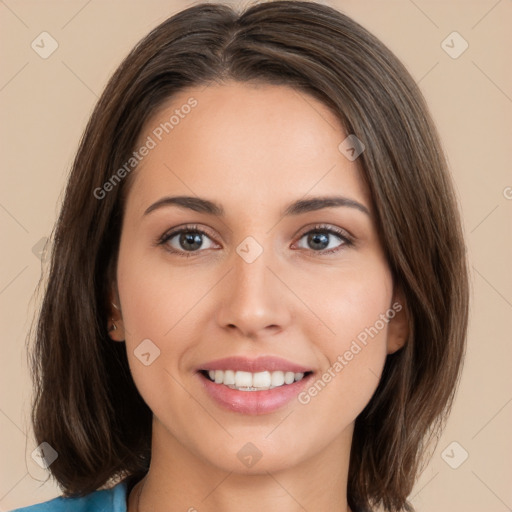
(252, 149)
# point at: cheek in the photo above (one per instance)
(156, 296)
(156, 302)
(356, 306)
(351, 301)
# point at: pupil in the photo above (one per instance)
(319, 238)
(191, 238)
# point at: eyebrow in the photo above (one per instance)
(301, 206)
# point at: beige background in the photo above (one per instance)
(45, 103)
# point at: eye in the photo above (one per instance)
(188, 239)
(320, 239)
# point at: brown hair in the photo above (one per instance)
(86, 405)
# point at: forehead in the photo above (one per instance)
(254, 142)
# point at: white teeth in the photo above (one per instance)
(289, 377)
(261, 380)
(277, 379)
(229, 377)
(247, 381)
(242, 379)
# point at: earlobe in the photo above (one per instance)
(115, 326)
(398, 327)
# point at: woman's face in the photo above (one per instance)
(282, 283)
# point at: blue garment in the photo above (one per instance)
(106, 500)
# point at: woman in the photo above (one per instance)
(258, 290)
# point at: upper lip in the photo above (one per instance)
(260, 364)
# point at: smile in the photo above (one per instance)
(248, 381)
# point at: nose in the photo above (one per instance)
(255, 301)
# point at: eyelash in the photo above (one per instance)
(322, 228)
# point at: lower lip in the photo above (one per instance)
(253, 402)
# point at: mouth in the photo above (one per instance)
(253, 381)
(253, 386)
(251, 394)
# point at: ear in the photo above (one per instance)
(115, 325)
(398, 327)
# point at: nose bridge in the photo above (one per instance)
(251, 274)
(254, 300)
(250, 271)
